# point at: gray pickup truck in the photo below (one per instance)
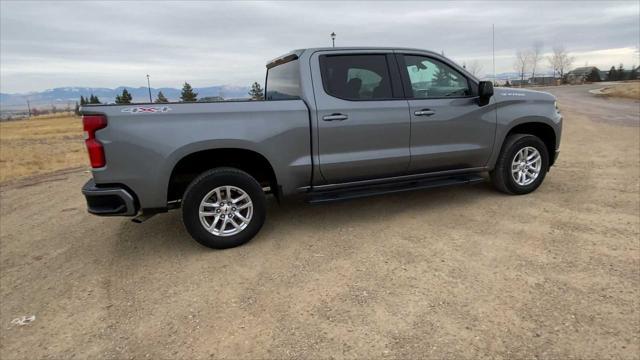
(336, 123)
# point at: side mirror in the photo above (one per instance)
(485, 92)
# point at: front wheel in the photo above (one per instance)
(521, 166)
(223, 208)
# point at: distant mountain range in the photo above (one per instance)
(67, 96)
(515, 75)
(63, 96)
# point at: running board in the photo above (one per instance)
(320, 197)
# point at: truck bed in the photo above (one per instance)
(143, 142)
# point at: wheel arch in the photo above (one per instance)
(192, 163)
(542, 130)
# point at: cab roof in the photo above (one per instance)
(294, 54)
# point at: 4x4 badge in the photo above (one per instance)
(146, 109)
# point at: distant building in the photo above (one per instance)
(211, 99)
(518, 82)
(583, 74)
(543, 80)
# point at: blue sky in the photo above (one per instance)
(106, 44)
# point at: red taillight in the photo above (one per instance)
(91, 124)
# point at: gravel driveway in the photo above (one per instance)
(461, 272)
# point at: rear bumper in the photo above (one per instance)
(109, 201)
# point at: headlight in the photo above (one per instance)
(555, 104)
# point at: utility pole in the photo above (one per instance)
(333, 39)
(149, 87)
(493, 50)
(29, 107)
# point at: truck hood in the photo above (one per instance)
(510, 94)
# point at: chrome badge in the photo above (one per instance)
(146, 109)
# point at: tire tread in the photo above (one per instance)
(501, 172)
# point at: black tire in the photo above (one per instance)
(205, 183)
(501, 174)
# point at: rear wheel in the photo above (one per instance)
(223, 208)
(522, 165)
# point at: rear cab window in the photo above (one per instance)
(283, 82)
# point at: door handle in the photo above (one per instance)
(424, 112)
(334, 117)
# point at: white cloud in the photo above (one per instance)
(106, 44)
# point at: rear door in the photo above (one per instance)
(449, 130)
(363, 120)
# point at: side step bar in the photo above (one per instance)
(320, 197)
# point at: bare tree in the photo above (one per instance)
(521, 64)
(536, 57)
(474, 67)
(560, 60)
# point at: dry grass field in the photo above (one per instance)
(40, 145)
(629, 90)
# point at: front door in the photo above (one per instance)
(363, 120)
(449, 130)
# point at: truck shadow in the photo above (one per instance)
(166, 233)
(368, 211)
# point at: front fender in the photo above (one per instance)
(518, 107)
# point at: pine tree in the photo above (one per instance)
(256, 92)
(77, 109)
(161, 99)
(94, 99)
(187, 94)
(82, 100)
(442, 77)
(125, 98)
(620, 72)
(612, 74)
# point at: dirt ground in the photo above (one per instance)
(461, 272)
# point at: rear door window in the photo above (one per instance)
(356, 77)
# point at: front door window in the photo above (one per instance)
(432, 79)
